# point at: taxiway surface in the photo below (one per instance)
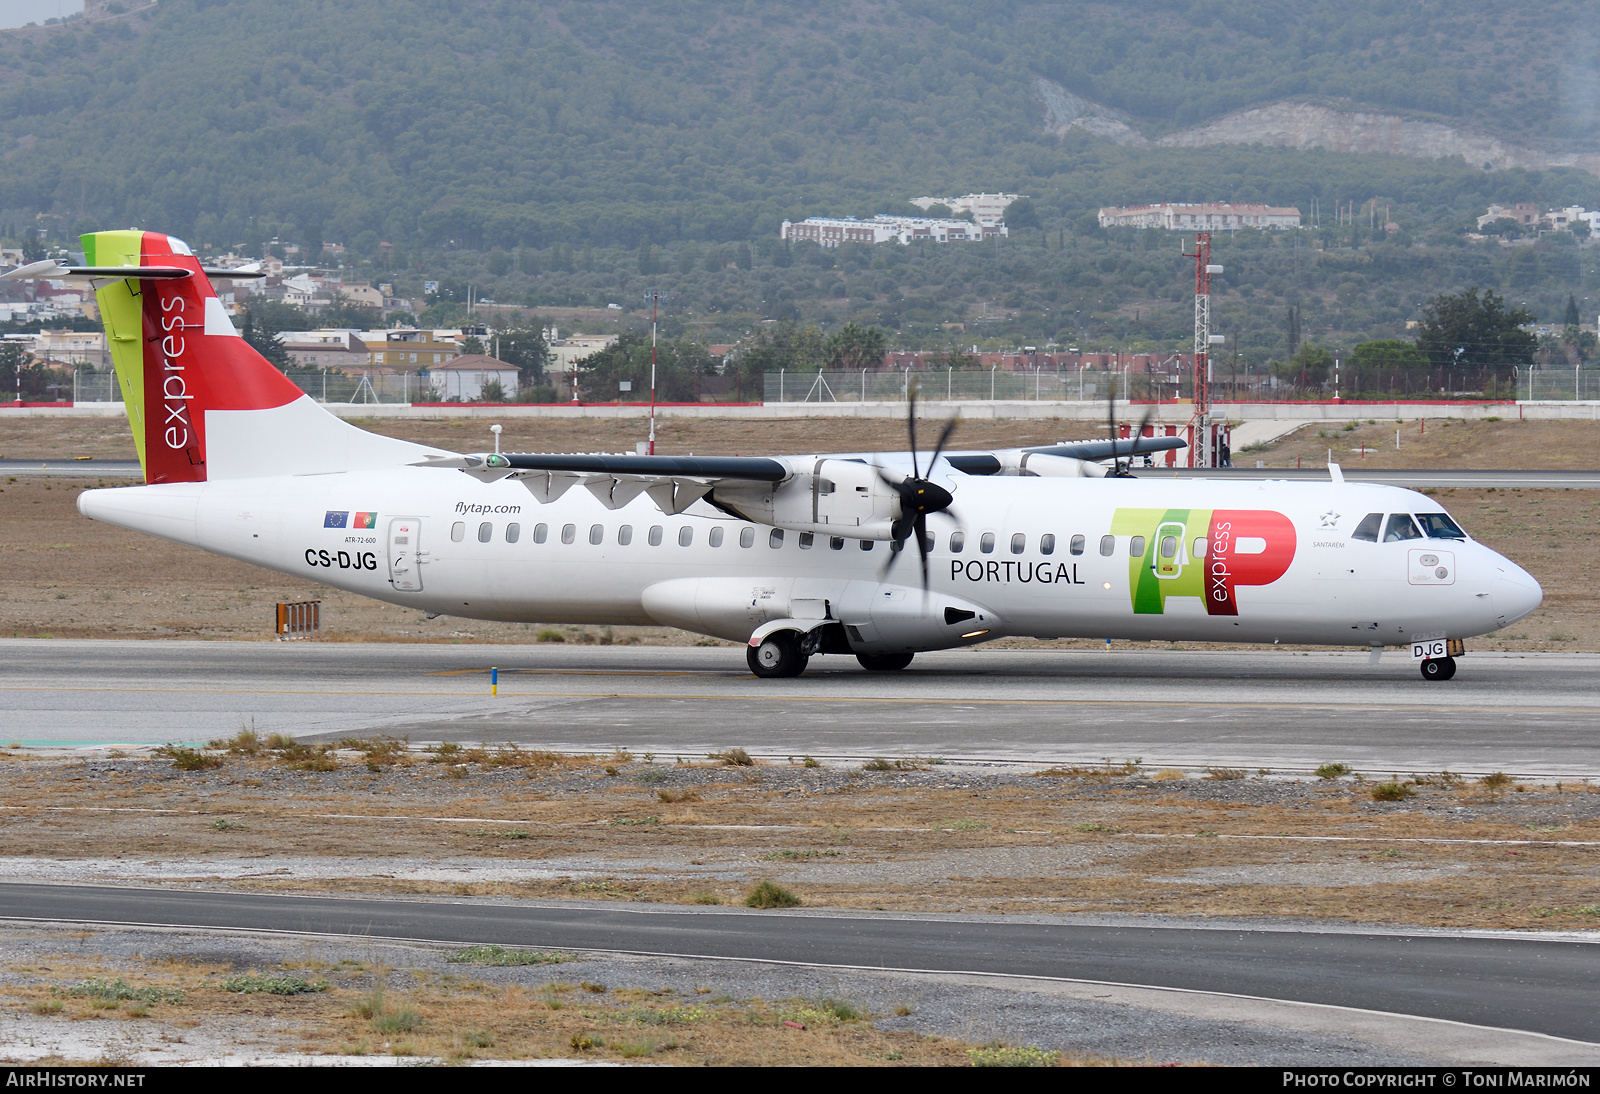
(1539, 985)
(1526, 714)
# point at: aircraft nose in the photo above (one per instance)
(1516, 593)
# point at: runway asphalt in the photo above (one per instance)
(1528, 715)
(1543, 986)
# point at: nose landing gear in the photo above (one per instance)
(1438, 668)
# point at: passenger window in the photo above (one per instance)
(485, 532)
(1108, 545)
(958, 542)
(1077, 545)
(597, 534)
(806, 540)
(458, 532)
(569, 532)
(655, 535)
(714, 537)
(1401, 526)
(1136, 547)
(747, 536)
(1019, 543)
(836, 543)
(1169, 546)
(686, 535)
(513, 533)
(1440, 526)
(776, 538)
(1368, 529)
(541, 532)
(1199, 549)
(986, 543)
(1047, 545)
(625, 535)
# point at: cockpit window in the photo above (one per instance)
(1368, 529)
(1401, 526)
(1440, 526)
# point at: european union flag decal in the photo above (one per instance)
(336, 520)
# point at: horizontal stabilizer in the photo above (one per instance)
(51, 270)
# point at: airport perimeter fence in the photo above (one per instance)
(1559, 385)
(945, 385)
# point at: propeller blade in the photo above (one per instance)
(921, 530)
(911, 425)
(944, 435)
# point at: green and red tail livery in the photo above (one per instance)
(176, 353)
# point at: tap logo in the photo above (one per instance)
(1206, 553)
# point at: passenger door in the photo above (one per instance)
(405, 554)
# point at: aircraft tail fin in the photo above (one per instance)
(202, 403)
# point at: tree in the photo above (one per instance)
(525, 348)
(1022, 214)
(472, 344)
(781, 346)
(1401, 364)
(857, 347)
(492, 391)
(1309, 368)
(261, 333)
(1468, 331)
(680, 364)
(1571, 318)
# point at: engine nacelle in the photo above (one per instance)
(827, 497)
(1017, 461)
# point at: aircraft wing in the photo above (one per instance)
(996, 463)
(673, 482)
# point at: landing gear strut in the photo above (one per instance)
(778, 655)
(1438, 668)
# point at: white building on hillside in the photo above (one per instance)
(985, 208)
(832, 231)
(1220, 216)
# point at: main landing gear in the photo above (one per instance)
(1438, 668)
(785, 653)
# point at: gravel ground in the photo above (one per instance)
(1015, 1014)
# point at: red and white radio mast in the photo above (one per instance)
(1208, 440)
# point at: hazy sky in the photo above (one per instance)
(16, 13)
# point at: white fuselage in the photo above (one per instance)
(715, 574)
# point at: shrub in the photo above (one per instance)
(1497, 781)
(272, 985)
(188, 759)
(1391, 792)
(1224, 774)
(1169, 773)
(734, 757)
(551, 636)
(500, 956)
(119, 990)
(769, 895)
(1003, 1056)
(1333, 771)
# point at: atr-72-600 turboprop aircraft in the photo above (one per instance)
(792, 555)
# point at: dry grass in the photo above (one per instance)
(1089, 842)
(458, 1020)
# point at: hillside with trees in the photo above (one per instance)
(573, 154)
